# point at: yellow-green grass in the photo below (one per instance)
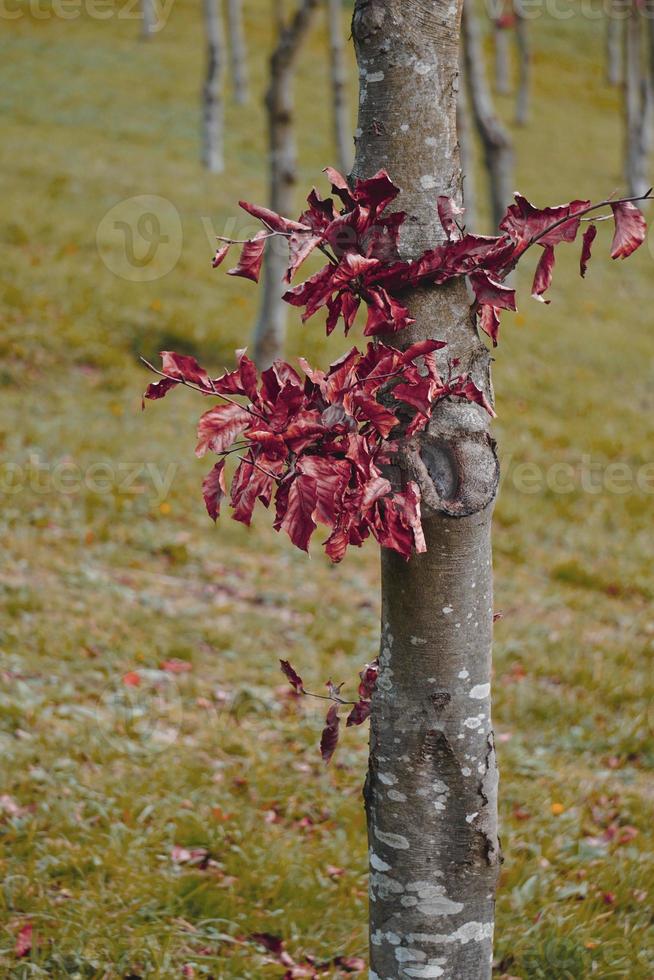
(99, 580)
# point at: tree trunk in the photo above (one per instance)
(502, 66)
(466, 153)
(271, 324)
(613, 46)
(524, 65)
(212, 93)
(148, 19)
(237, 49)
(636, 104)
(342, 129)
(496, 142)
(432, 782)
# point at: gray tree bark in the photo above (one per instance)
(636, 103)
(212, 92)
(501, 47)
(496, 142)
(614, 45)
(524, 65)
(237, 51)
(342, 128)
(148, 19)
(466, 153)
(432, 783)
(270, 328)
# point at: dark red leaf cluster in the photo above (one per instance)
(360, 710)
(316, 445)
(360, 242)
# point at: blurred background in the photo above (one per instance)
(162, 799)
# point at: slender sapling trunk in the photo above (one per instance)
(432, 782)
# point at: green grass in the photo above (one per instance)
(106, 572)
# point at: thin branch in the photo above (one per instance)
(272, 476)
(593, 207)
(203, 391)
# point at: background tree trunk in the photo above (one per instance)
(148, 19)
(270, 328)
(342, 128)
(614, 46)
(636, 103)
(237, 50)
(524, 65)
(212, 93)
(496, 142)
(501, 60)
(466, 150)
(432, 781)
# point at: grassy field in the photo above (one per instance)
(153, 819)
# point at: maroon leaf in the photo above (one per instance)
(298, 519)
(23, 944)
(525, 223)
(329, 737)
(359, 713)
(250, 484)
(588, 239)
(543, 275)
(491, 293)
(160, 388)
(220, 256)
(219, 427)
(489, 321)
(630, 230)
(351, 964)
(448, 213)
(273, 944)
(368, 683)
(184, 368)
(213, 489)
(294, 679)
(250, 262)
(274, 221)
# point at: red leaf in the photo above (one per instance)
(368, 677)
(23, 945)
(331, 477)
(160, 388)
(588, 239)
(219, 427)
(543, 276)
(176, 666)
(249, 485)
(274, 944)
(523, 222)
(329, 738)
(489, 321)
(359, 713)
(448, 212)
(351, 964)
(250, 262)
(214, 490)
(220, 255)
(184, 368)
(294, 679)
(131, 678)
(274, 221)
(298, 516)
(630, 230)
(491, 293)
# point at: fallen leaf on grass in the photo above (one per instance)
(23, 946)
